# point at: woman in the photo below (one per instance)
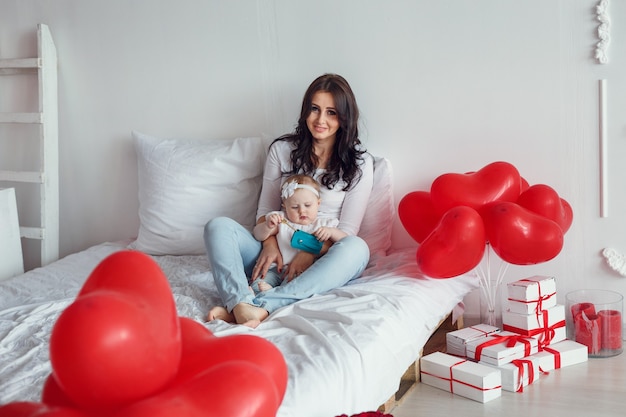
(325, 145)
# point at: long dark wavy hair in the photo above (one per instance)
(347, 152)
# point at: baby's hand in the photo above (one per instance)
(274, 219)
(322, 234)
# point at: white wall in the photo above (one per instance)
(443, 86)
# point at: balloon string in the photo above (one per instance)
(485, 283)
(504, 266)
(488, 286)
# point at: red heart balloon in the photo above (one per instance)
(455, 246)
(498, 181)
(524, 185)
(418, 215)
(233, 389)
(53, 394)
(568, 216)
(544, 200)
(33, 409)
(119, 341)
(202, 350)
(520, 236)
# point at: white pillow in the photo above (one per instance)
(376, 225)
(185, 183)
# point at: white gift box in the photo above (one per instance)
(547, 325)
(519, 373)
(456, 340)
(460, 376)
(502, 348)
(529, 295)
(561, 354)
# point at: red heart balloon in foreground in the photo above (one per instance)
(498, 181)
(544, 200)
(202, 350)
(119, 341)
(116, 352)
(32, 409)
(455, 246)
(418, 214)
(233, 389)
(53, 395)
(520, 236)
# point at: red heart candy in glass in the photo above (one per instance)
(418, 215)
(544, 200)
(498, 181)
(119, 341)
(455, 246)
(520, 236)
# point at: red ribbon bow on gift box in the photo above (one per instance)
(557, 357)
(452, 379)
(545, 333)
(520, 373)
(539, 301)
(510, 340)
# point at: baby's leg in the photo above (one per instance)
(273, 278)
(255, 287)
(264, 285)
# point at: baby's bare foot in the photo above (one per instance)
(264, 286)
(249, 315)
(220, 313)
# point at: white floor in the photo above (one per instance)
(596, 388)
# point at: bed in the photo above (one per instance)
(346, 350)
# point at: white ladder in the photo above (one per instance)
(45, 64)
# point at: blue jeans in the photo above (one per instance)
(233, 251)
(273, 278)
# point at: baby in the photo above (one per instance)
(300, 196)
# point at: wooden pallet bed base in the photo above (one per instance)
(411, 377)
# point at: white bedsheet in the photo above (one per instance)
(346, 350)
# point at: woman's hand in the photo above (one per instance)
(300, 263)
(269, 254)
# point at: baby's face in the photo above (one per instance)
(301, 207)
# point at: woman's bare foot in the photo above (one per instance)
(249, 315)
(220, 313)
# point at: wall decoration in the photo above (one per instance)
(602, 14)
(604, 152)
(616, 260)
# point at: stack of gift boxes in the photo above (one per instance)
(483, 360)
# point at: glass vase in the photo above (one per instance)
(594, 318)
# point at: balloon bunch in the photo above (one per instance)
(495, 206)
(121, 350)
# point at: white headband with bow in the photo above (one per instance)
(290, 187)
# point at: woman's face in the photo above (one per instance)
(323, 121)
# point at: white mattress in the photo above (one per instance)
(346, 350)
